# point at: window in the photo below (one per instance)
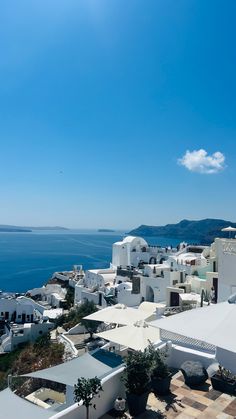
(2, 313)
(19, 316)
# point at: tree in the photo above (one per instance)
(85, 390)
(91, 326)
(76, 315)
(88, 307)
(70, 296)
(43, 341)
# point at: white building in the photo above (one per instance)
(19, 310)
(132, 251)
(53, 294)
(70, 277)
(27, 332)
(191, 260)
(204, 334)
(94, 285)
(140, 272)
(224, 261)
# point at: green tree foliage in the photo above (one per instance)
(85, 390)
(159, 368)
(90, 325)
(70, 295)
(43, 341)
(76, 315)
(136, 376)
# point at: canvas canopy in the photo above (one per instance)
(137, 336)
(13, 406)
(214, 324)
(99, 364)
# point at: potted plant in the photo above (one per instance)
(85, 390)
(223, 380)
(160, 373)
(137, 381)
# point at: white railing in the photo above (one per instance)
(68, 344)
(186, 341)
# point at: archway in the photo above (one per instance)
(149, 294)
(152, 260)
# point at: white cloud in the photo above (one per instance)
(201, 162)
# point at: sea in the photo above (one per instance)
(28, 260)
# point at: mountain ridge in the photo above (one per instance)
(204, 230)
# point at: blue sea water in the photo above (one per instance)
(28, 260)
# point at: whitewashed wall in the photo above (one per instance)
(227, 359)
(178, 355)
(226, 253)
(112, 388)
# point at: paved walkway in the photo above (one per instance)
(186, 403)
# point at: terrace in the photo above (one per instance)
(185, 403)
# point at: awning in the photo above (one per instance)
(98, 364)
(13, 406)
(214, 324)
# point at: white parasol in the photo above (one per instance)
(229, 230)
(119, 314)
(137, 336)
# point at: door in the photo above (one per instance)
(174, 299)
(23, 317)
(149, 294)
(215, 285)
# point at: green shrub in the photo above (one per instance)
(136, 376)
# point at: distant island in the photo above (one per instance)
(12, 229)
(17, 229)
(203, 231)
(105, 230)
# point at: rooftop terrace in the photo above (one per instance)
(186, 403)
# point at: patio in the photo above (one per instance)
(186, 403)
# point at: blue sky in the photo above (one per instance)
(100, 101)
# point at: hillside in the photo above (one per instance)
(30, 357)
(203, 231)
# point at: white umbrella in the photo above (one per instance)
(229, 229)
(119, 314)
(137, 336)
